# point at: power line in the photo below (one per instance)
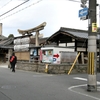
(73, 1)
(5, 4)
(30, 6)
(14, 8)
(21, 9)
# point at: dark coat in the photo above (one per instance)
(13, 59)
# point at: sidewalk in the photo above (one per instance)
(4, 65)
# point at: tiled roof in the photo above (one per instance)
(41, 40)
(2, 37)
(6, 43)
(75, 33)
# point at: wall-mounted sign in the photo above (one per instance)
(83, 13)
(23, 47)
(83, 1)
(20, 41)
(68, 57)
(33, 52)
(47, 56)
(94, 27)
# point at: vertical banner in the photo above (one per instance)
(40, 55)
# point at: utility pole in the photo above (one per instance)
(92, 47)
(99, 35)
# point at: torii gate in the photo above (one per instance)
(35, 29)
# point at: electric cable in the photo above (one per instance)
(73, 1)
(21, 9)
(14, 8)
(5, 4)
(76, 1)
(30, 6)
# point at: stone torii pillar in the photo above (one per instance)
(37, 38)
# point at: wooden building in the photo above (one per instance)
(6, 49)
(72, 38)
(25, 48)
(64, 37)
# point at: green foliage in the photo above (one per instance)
(11, 35)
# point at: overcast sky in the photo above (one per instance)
(56, 13)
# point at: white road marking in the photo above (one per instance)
(41, 75)
(84, 79)
(78, 78)
(72, 87)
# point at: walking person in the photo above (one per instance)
(13, 61)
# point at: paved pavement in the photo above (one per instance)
(4, 65)
(25, 85)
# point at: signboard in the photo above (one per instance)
(53, 54)
(21, 44)
(23, 47)
(20, 41)
(83, 6)
(47, 59)
(47, 56)
(83, 1)
(84, 18)
(94, 27)
(83, 12)
(56, 55)
(68, 57)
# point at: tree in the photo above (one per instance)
(11, 35)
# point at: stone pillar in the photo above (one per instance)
(0, 28)
(37, 39)
(82, 57)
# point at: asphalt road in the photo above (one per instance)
(25, 85)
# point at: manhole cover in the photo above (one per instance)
(8, 87)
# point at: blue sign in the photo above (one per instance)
(54, 59)
(83, 12)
